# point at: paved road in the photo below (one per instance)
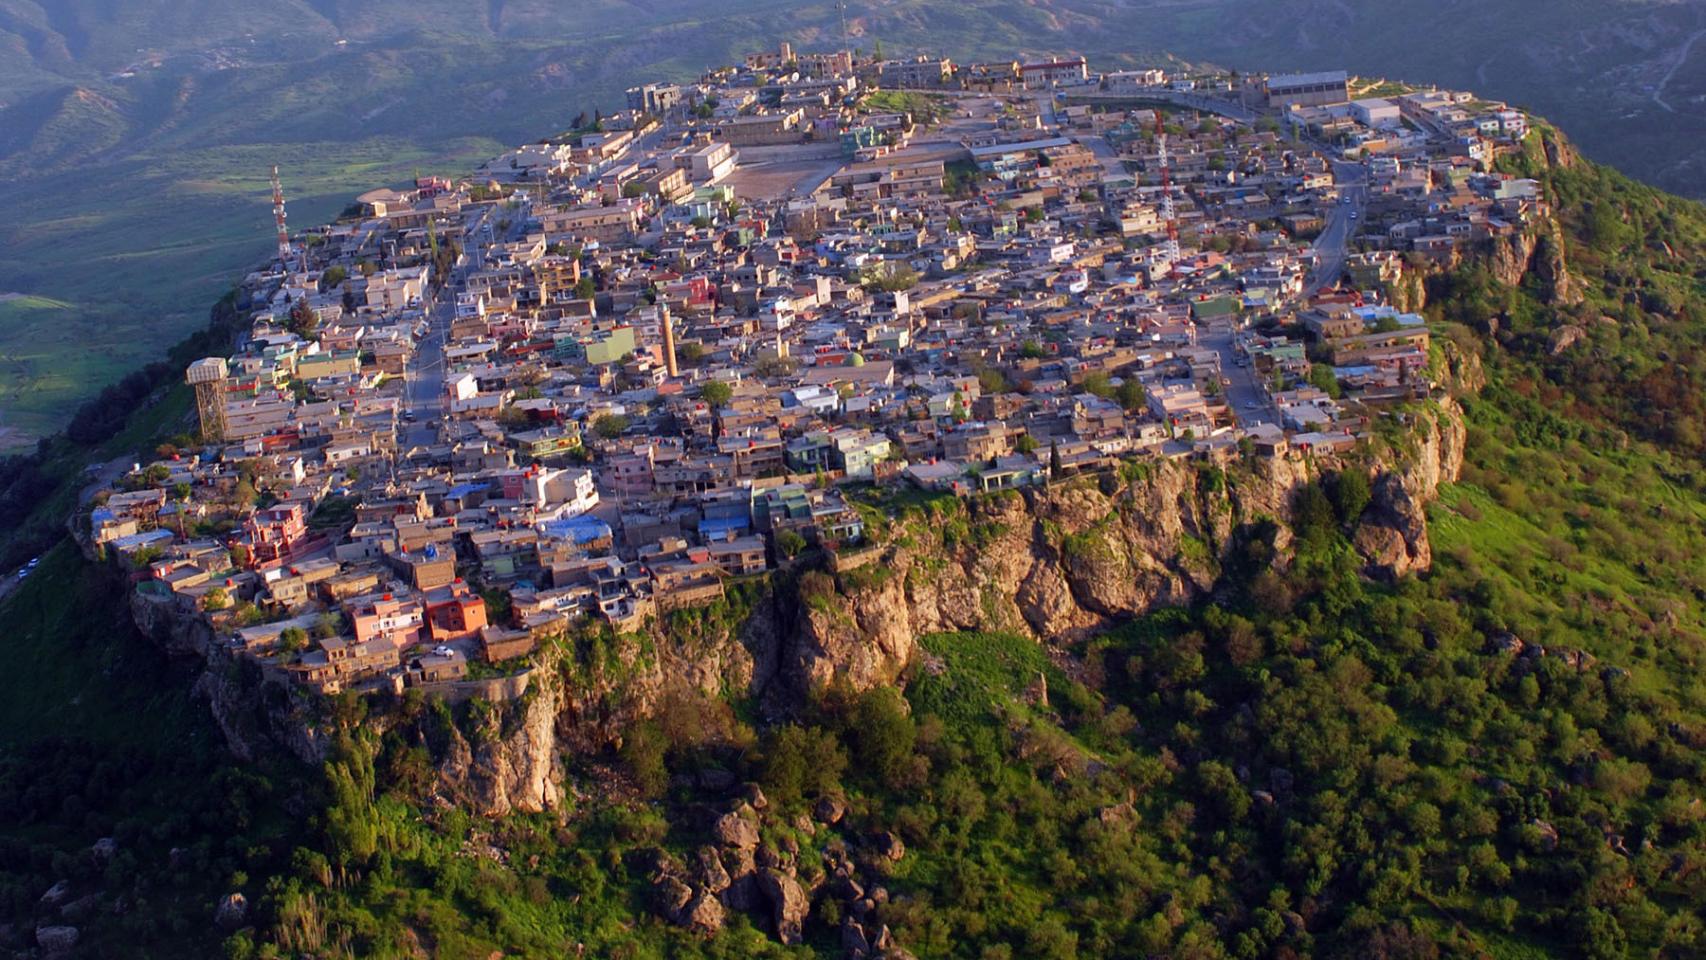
(1243, 394)
(1342, 223)
(423, 379)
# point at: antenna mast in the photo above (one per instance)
(284, 253)
(1171, 248)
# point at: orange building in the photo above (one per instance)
(454, 612)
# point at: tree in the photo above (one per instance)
(1131, 394)
(716, 393)
(1032, 350)
(1350, 495)
(215, 599)
(992, 380)
(610, 425)
(1322, 378)
(585, 288)
(889, 277)
(773, 367)
(352, 833)
(800, 762)
(302, 321)
(643, 751)
(790, 543)
(884, 733)
(1054, 464)
(1098, 383)
(293, 640)
(691, 353)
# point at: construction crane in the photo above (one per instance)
(1170, 249)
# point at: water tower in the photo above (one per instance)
(208, 376)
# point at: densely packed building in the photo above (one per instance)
(610, 371)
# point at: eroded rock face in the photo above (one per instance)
(703, 914)
(501, 770)
(1077, 557)
(1393, 535)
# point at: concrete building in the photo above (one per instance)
(1307, 89)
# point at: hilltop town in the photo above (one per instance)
(715, 334)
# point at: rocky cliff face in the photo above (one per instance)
(1393, 534)
(1537, 250)
(1056, 563)
(511, 762)
(254, 714)
(1066, 561)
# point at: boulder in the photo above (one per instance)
(888, 845)
(714, 779)
(79, 909)
(232, 911)
(829, 809)
(55, 941)
(883, 940)
(703, 914)
(733, 829)
(754, 796)
(788, 905)
(1563, 338)
(712, 875)
(672, 897)
(104, 848)
(56, 894)
(1548, 834)
(853, 939)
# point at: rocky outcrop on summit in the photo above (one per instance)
(1061, 562)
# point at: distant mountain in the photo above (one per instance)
(1626, 77)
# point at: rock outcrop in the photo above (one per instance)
(1061, 562)
(511, 762)
(1056, 563)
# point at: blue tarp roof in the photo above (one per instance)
(716, 528)
(582, 529)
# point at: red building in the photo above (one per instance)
(454, 612)
(276, 532)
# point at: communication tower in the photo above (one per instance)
(1170, 249)
(284, 252)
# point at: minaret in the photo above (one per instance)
(669, 363)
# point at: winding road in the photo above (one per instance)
(1681, 58)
